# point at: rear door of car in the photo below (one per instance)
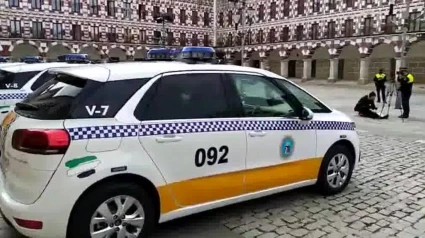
(194, 137)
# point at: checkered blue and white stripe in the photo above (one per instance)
(13, 96)
(116, 131)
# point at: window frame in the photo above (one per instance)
(142, 105)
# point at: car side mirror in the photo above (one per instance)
(306, 114)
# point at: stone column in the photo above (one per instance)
(333, 69)
(264, 64)
(364, 70)
(397, 65)
(306, 69)
(245, 62)
(284, 67)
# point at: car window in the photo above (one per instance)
(260, 97)
(305, 99)
(68, 97)
(184, 96)
(9, 80)
(43, 78)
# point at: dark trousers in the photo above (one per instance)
(405, 98)
(380, 90)
(369, 114)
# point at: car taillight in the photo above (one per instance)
(36, 141)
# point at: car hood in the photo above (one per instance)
(335, 115)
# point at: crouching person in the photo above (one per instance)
(366, 105)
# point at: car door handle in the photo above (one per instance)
(168, 139)
(257, 133)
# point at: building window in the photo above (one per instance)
(229, 18)
(261, 12)
(206, 19)
(248, 39)
(350, 3)
(75, 6)
(13, 3)
(206, 40)
(15, 28)
(142, 36)
(94, 7)
(316, 5)
(331, 30)
(170, 38)
(368, 26)
(127, 9)
(142, 12)
(56, 5)
(182, 16)
(36, 4)
(369, 2)
(110, 5)
(76, 32)
(57, 32)
(389, 25)
(194, 17)
(170, 13)
(155, 12)
(273, 10)
(112, 34)
(315, 31)
(286, 8)
(182, 39)
(300, 33)
(272, 36)
(300, 7)
(94, 33)
(332, 4)
(127, 35)
(260, 37)
(415, 23)
(37, 30)
(221, 19)
(284, 34)
(349, 30)
(194, 40)
(230, 40)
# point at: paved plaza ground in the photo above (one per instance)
(385, 198)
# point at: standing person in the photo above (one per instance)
(406, 86)
(365, 106)
(380, 79)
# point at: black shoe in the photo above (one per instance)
(385, 117)
(403, 117)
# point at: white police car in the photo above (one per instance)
(18, 80)
(110, 150)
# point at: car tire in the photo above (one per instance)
(327, 185)
(80, 221)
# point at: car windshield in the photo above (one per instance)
(305, 99)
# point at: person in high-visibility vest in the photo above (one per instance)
(406, 86)
(380, 79)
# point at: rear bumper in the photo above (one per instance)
(53, 226)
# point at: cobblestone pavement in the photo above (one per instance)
(385, 198)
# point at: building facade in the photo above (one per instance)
(324, 39)
(124, 29)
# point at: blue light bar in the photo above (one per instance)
(160, 54)
(73, 58)
(202, 49)
(197, 52)
(4, 59)
(32, 59)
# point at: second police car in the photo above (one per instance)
(18, 80)
(110, 150)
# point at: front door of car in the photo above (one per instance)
(193, 138)
(281, 147)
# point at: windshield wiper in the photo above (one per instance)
(26, 106)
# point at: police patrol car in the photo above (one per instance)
(18, 80)
(110, 150)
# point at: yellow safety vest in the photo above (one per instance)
(410, 78)
(380, 76)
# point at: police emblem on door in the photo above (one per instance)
(287, 147)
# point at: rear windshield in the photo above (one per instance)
(68, 97)
(9, 80)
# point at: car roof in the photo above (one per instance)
(4, 65)
(35, 67)
(134, 70)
